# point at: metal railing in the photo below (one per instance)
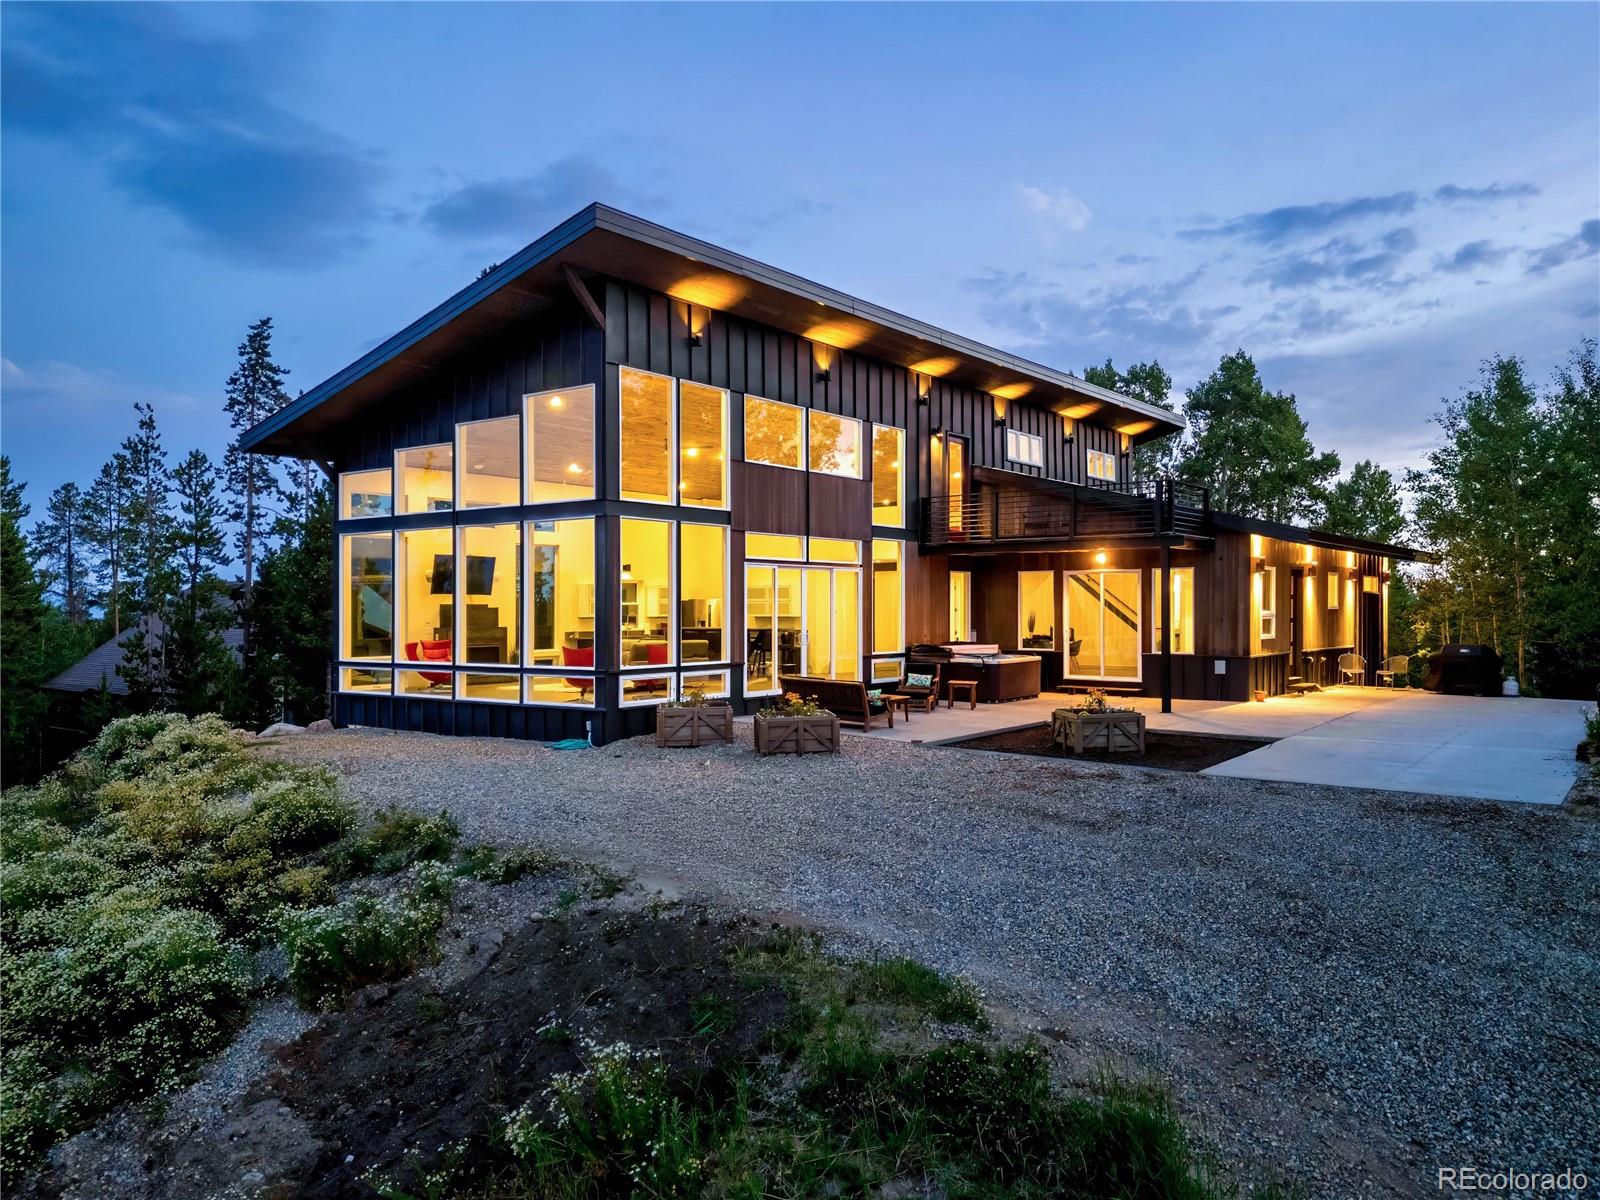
(1148, 507)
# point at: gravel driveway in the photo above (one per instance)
(1357, 987)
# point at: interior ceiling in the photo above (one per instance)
(603, 242)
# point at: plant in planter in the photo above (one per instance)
(694, 720)
(1094, 701)
(796, 725)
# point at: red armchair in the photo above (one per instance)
(573, 656)
(426, 651)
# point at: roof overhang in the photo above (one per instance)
(1318, 537)
(602, 241)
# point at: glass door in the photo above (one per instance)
(801, 621)
(1103, 624)
(960, 606)
(832, 637)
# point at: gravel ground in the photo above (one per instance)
(1357, 987)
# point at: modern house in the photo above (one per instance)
(627, 465)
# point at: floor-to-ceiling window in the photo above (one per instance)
(367, 624)
(489, 583)
(560, 621)
(703, 593)
(426, 586)
(802, 619)
(888, 597)
(961, 606)
(1103, 624)
(1036, 610)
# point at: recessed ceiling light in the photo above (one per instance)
(555, 402)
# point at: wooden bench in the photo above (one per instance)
(845, 698)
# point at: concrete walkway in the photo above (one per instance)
(1391, 739)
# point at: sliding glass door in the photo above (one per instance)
(1103, 625)
(801, 621)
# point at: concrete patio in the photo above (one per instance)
(1407, 740)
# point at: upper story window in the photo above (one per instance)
(424, 479)
(835, 445)
(1024, 448)
(703, 443)
(646, 436)
(560, 445)
(888, 475)
(774, 433)
(489, 461)
(366, 493)
(1102, 465)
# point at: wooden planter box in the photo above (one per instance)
(797, 735)
(703, 726)
(1114, 732)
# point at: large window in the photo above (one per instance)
(835, 445)
(560, 450)
(1102, 465)
(1182, 610)
(961, 606)
(645, 594)
(1024, 448)
(703, 594)
(424, 479)
(427, 596)
(888, 476)
(489, 579)
(1103, 623)
(490, 462)
(1036, 610)
(367, 624)
(773, 626)
(888, 598)
(366, 493)
(646, 437)
(774, 433)
(702, 445)
(561, 579)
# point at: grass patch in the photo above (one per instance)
(906, 981)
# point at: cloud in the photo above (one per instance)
(1583, 244)
(189, 123)
(1451, 194)
(523, 206)
(1060, 208)
(1278, 225)
(1143, 320)
(1339, 259)
(1474, 256)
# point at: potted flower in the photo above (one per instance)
(695, 720)
(796, 725)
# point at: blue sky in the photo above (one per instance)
(1368, 198)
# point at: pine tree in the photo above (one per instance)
(105, 510)
(293, 597)
(254, 392)
(59, 545)
(151, 574)
(197, 662)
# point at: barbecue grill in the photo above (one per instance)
(1459, 667)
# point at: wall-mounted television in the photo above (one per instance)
(480, 574)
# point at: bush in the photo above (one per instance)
(128, 881)
(398, 839)
(335, 949)
(906, 981)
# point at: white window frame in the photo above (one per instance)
(1068, 624)
(460, 459)
(1055, 620)
(677, 445)
(672, 440)
(418, 669)
(374, 666)
(594, 443)
(727, 589)
(1025, 448)
(397, 475)
(343, 494)
(1106, 460)
(672, 591)
(863, 448)
(1267, 614)
(900, 579)
(805, 547)
(562, 673)
(344, 597)
(805, 434)
(670, 674)
(898, 663)
(461, 687)
(724, 674)
(900, 477)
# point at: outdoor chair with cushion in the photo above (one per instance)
(1395, 668)
(1352, 669)
(920, 686)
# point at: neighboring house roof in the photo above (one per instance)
(100, 664)
(1318, 537)
(604, 241)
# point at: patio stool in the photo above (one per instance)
(968, 686)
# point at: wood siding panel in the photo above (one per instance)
(769, 499)
(840, 508)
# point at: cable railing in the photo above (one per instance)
(1130, 508)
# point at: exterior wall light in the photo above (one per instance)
(1099, 558)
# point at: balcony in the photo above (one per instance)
(1022, 510)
